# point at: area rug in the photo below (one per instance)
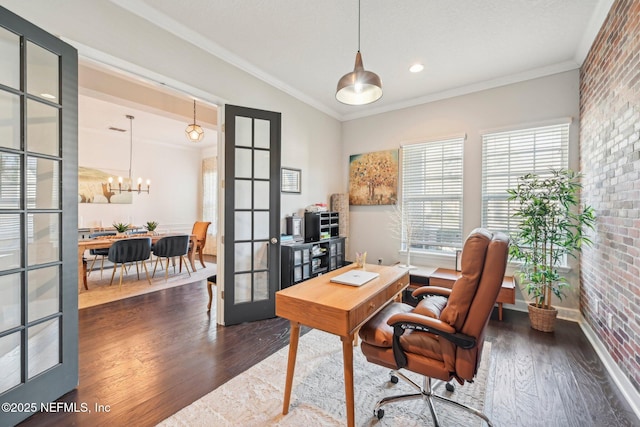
(254, 398)
(100, 292)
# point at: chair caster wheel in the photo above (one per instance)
(450, 387)
(394, 380)
(379, 413)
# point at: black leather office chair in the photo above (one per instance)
(100, 252)
(130, 250)
(170, 247)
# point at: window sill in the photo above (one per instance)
(448, 260)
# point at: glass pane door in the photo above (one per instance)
(38, 215)
(252, 213)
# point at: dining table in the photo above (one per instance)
(106, 242)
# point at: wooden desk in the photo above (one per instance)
(445, 278)
(84, 245)
(337, 309)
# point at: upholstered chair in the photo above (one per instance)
(200, 231)
(100, 252)
(442, 337)
(133, 249)
(169, 248)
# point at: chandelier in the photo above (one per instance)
(194, 131)
(128, 186)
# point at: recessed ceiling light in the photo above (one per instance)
(416, 68)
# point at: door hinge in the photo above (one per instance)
(222, 183)
(221, 294)
(223, 127)
(222, 239)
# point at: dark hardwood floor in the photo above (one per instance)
(149, 356)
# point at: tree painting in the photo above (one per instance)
(373, 178)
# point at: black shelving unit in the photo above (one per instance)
(321, 225)
(303, 261)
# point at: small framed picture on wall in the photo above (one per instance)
(290, 180)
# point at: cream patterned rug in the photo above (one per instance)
(254, 398)
(100, 292)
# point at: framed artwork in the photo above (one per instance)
(290, 180)
(373, 178)
(93, 187)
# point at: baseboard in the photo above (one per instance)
(564, 313)
(631, 395)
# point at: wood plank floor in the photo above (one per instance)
(147, 357)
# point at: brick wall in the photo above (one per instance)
(610, 162)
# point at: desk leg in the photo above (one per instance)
(347, 356)
(500, 311)
(291, 364)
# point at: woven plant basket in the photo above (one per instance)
(542, 319)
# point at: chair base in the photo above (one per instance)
(425, 393)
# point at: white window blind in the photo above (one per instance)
(506, 156)
(432, 194)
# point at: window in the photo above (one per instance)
(432, 194)
(210, 199)
(506, 156)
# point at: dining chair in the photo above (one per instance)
(130, 250)
(170, 247)
(442, 337)
(100, 252)
(200, 231)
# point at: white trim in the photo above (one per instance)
(564, 313)
(465, 90)
(528, 125)
(631, 395)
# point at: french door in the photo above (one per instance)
(38, 218)
(252, 214)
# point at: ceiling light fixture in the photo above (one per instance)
(416, 68)
(128, 187)
(360, 86)
(194, 132)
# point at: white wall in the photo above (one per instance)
(526, 103)
(175, 180)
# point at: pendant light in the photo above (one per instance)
(360, 86)
(194, 132)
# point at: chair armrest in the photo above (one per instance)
(431, 290)
(418, 322)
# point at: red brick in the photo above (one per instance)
(610, 163)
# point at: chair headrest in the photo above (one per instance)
(475, 253)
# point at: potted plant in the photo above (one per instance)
(151, 226)
(121, 227)
(551, 225)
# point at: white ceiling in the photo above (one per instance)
(304, 46)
